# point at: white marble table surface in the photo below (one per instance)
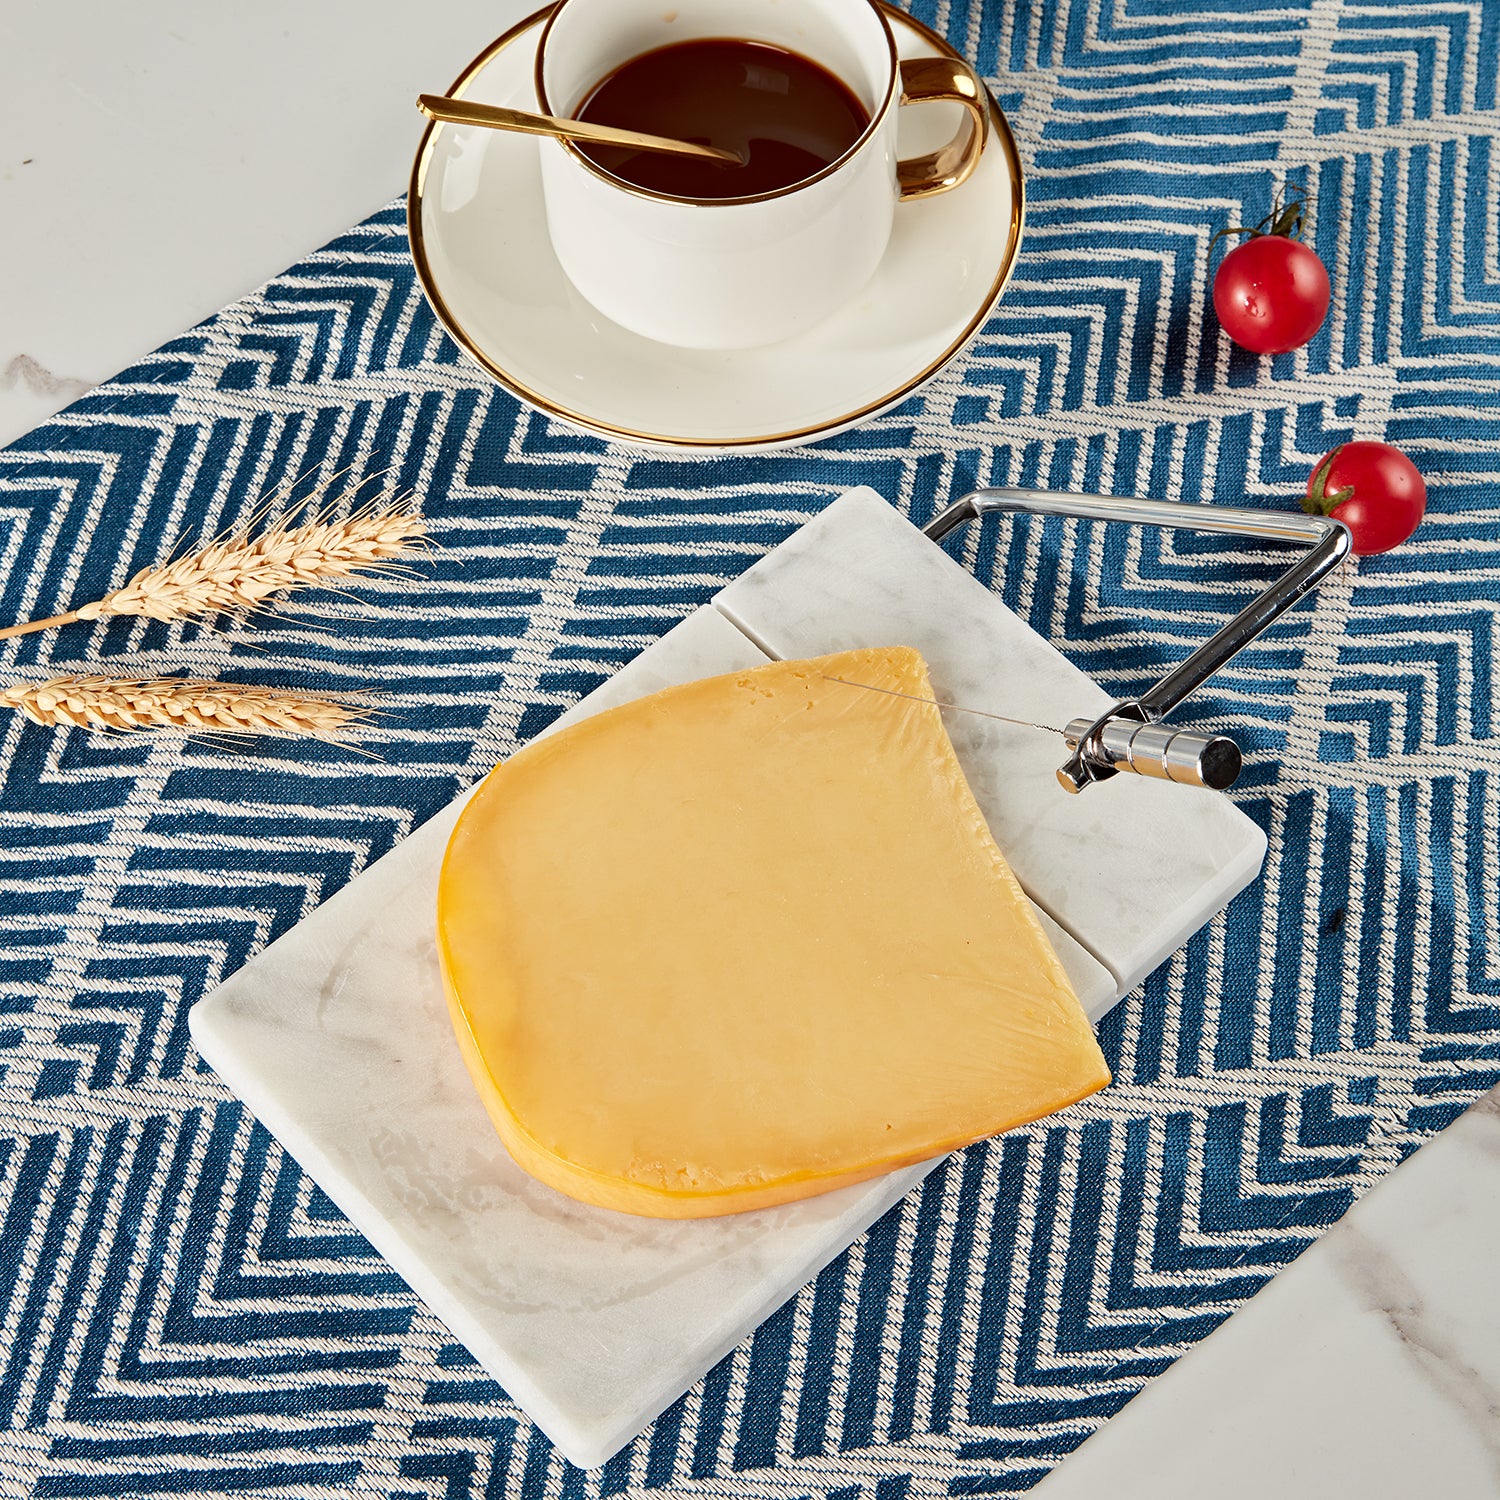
(143, 184)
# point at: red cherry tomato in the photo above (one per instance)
(1271, 294)
(1374, 489)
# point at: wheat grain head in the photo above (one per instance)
(188, 705)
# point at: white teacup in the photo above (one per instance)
(734, 273)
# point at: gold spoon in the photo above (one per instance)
(497, 117)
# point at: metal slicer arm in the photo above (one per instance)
(1116, 741)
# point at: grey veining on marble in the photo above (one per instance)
(25, 373)
(337, 1037)
(1132, 867)
(1369, 1367)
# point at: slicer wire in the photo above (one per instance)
(938, 703)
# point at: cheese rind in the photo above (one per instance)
(747, 940)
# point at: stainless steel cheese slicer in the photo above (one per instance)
(1130, 736)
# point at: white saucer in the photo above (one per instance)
(479, 239)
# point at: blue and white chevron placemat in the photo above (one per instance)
(184, 1312)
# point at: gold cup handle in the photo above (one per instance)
(927, 80)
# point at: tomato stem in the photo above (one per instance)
(1318, 501)
(1285, 221)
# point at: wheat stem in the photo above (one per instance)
(46, 624)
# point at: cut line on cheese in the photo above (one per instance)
(747, 940)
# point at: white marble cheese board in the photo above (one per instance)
(338, 1039)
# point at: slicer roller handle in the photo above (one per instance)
(1159, 750)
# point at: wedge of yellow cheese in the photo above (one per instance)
(748, 940)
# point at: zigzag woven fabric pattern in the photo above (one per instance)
(184, 1311)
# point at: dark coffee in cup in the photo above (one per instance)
(784, 115)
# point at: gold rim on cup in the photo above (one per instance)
(641, 192)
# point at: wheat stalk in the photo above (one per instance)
(187, 704)
(240, 572)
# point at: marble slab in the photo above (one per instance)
(1131, 868)
(1369, 1367)
(337, 1037)
(248, 197)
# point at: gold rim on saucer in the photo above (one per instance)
(1004, 141)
